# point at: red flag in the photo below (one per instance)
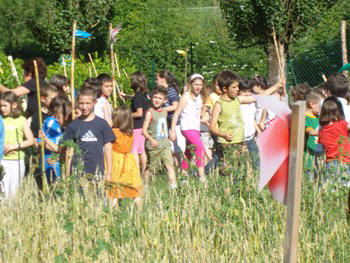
(273, 145)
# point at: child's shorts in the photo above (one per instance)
(207, 140)
(157, 157)
(139, 142)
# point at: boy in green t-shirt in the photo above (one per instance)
(155, 130)
(313, 150)
(227, 122)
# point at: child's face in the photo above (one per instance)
(245, 93)
(60, 118)
(315, 107)
(217, 89)
(86, 105)
(107, 88)
(158, 100)
(232, 90)
(6, 107)
(47, 100)
(257, 89)
(196, 86)
(161, 81)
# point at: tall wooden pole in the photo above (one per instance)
(93, 64)
(278, 57)
(294, 181)
(113, 68)
(343, 44)
(72, 69)
(42, 145)
(64, 66)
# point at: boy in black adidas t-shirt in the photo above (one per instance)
(93, 135)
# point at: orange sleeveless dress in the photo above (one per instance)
(126, 180)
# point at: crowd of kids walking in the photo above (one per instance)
(215, 125)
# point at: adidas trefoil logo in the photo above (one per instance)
(89, 137)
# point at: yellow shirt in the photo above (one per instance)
(14, 133)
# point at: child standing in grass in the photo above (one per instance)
(126, 181)
(58, 112)
(94, 137)
(227, 122)
(139, 106)
(103, 108)
(313, 150)
(155, 129)
(334, 137)
(18, 136)
(190, 108)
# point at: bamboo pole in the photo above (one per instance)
(93, 64)
(117, 64)
(295, 169)
(72, 69)
(42, 145)
(278, 57)
(64, 67)
(343, 44)
(113, 69)
(324, 77)
(90, 73)
(13, 69)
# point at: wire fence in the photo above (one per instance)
(323, 58)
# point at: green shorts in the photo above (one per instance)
(157, 157)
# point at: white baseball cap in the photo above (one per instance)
(195, 76)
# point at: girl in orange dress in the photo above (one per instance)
(126, 181)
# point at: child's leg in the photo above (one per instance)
(193, 137)
(152, 165)
(143, 162)
(167, 159)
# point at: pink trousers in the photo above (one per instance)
(193, 137)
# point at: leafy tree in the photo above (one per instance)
(251, 23)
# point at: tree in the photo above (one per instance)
(251, 23)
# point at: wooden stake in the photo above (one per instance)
(278, 57)
(42, 145)
(343, 44)
(117, 64)
(90, 73)
(64, 66)
(126, 74)
(13, 69)
(72, 69)
(324, 77)
(93, 64)
(294, 181)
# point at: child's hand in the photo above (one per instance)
(154, 143)
(172, 135)
(228, 137)
(9, 148)
(42, 135)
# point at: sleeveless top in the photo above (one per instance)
(230, 121)
(158, 128)
(14, 133)
(123, 143)
(191, 114)
(98, 109)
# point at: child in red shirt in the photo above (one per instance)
(334, 137)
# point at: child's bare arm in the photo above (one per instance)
(312, 132)
(181, 105)
(274, 88)
(49, 145)
(68, 159)
(257, 128)
(262, 120)
(108, 157)
(107, 114)
(214, 121)
(29, 138)
(145, 130)
(138, 113)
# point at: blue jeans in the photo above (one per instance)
(253, 153)
(338, 172)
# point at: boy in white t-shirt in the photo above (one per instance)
(103, 108)
(251, 128)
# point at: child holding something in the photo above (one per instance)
(126, 181)
(59, 111)
(333, 135)
(18, 136)
(93, 135)
(155, 129)
(227, 122)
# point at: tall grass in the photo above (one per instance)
(220, 222)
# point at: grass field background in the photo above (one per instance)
(221, 222)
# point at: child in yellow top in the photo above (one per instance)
(17, 137)
(126, 181)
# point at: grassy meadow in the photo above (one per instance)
(221, 222)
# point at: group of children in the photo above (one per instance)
(162, 128)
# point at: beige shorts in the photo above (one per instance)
(158, 157)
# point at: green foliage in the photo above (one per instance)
(6, 77)
(252, 21)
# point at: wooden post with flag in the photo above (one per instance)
(72, 69)
(295, 169)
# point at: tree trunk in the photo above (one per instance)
(274, 68)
